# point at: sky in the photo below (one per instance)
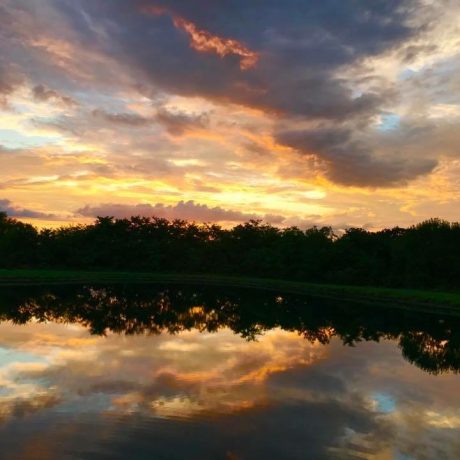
(319, 112)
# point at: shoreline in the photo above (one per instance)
(421, 300)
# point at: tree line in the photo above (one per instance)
(426, 255)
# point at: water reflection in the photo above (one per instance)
(430, 342)
(86, 374)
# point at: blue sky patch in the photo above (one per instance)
(389, 122)
(385, 403)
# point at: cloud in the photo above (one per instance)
(292, 62)
(42, 94)
(23, 407)
(354, 162)
(204, 41)
(300, 47)
(242, 396)
(16, 211)
(10, 79)
(6, 85)
(176, 123)
(318, 76)
(122, 119)
(187, 210)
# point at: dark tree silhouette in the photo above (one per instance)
(426, 255)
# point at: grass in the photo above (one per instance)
(431, 301)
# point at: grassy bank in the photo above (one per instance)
(433, 301)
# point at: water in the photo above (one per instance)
(169, 372)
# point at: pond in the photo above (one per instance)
(183, 372)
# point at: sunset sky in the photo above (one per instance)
(331, 112)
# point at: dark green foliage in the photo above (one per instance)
(423, 256)
(18, 243)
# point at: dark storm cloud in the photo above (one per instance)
(188, 210)
(354, 162)
(15, 211)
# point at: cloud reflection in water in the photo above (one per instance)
(69, 394)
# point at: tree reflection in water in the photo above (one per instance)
(430, 342)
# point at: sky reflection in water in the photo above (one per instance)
(68, 394)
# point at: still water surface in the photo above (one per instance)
(168, 372)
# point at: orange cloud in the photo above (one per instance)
(204, 41)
